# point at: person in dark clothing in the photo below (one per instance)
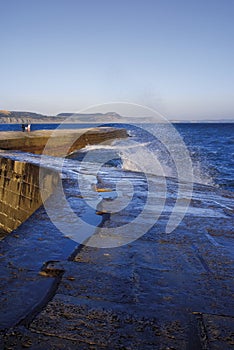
(23, 127)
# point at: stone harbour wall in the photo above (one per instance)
(58, 142)
(19, 180)
(20, 192)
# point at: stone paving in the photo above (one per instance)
(161, 291)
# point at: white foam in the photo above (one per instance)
(140, 157)
(115, 145)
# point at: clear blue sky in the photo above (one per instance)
(173, 55)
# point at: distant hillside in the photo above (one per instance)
(14, 117)
(110, 117)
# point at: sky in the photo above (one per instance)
(175, 56)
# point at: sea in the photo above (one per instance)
(206, 147)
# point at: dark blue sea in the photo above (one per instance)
(210, 146)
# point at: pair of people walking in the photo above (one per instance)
(26, 127)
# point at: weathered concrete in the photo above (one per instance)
(162, 291)
(20, 192)
(61, 142)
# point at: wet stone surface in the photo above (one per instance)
(161, 291)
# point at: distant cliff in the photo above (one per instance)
(14, 117)
(110, 117)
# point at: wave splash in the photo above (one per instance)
(144, 157)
